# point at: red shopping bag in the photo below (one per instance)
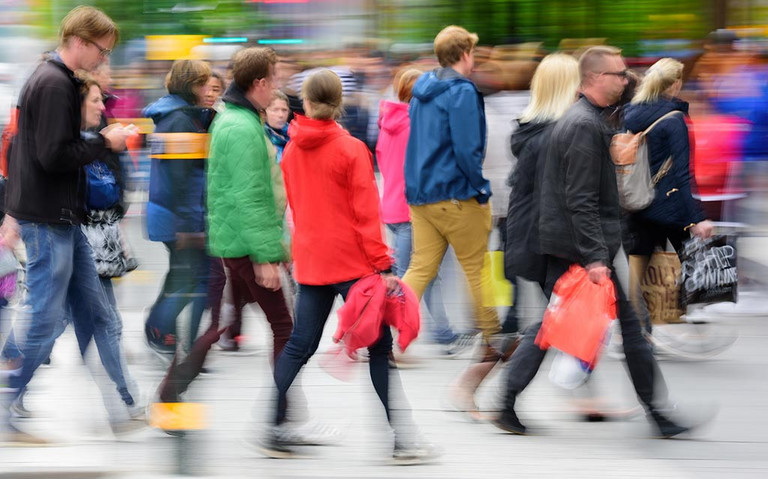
(579, 316)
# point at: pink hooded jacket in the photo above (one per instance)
(395, 127)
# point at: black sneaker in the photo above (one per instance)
(666, 427)
(274, 446)
(508, 422)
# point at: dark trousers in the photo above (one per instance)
(181, 374)
(643, 370)
(313, 305)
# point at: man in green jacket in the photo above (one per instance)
(246, 204)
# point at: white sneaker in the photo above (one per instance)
(413, 453)
(311, 433)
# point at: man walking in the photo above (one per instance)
(445, 188)
(46, 196)
(579, 222)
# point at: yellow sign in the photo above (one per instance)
(179, 416)
(172, 47)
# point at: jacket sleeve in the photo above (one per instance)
(256, 218)
(467, 129)
(582, 192)
(185, 200)
(679, 144)
(57, 149)
(364, 200)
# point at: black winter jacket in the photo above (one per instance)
(521, 255)
(579, 218)
(669, 138)
(45, 179)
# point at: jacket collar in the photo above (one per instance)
(236, 96)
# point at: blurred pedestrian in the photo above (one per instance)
(176, 206)
(214, 89)
(338, 240)
(579, 222)
(390, 155)
(276, 124)
(446, 190)
(44, 195)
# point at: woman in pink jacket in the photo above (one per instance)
(394, 124)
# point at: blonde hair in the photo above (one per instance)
(323, 91)
(185, 75)
(451, 43)
(553, 88)
(592, 60)
(405, 83)
(88, 23)
(662, 75)
(278, 95)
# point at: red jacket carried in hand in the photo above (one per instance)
(368, 306)
(332, 192)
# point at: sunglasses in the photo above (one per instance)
(621, 74)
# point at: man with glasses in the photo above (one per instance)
(45, 195)
(579, 222)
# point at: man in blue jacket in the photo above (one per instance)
(444, 183)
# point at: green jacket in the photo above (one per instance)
(246, 196)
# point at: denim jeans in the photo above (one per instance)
(313, 305)
(186, 282)
(61, 276)
(10, 348)
(643, 370)
(440, 327)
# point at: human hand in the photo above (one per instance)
(703, 229)
(267, 275)
(597, 271)
(10, 231)
(115, 137)
(391, 281)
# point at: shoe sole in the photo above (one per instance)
(510, 430)
(416, 461)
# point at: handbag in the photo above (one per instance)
(102, 191)
(109, 250)
(658, 283)
(629, 152)
(709, 273)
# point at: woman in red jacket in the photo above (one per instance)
(337, 240)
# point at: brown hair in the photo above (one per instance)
(405, 84)
(278, 95)
(87, 23)
(251, 64)
(184, 76)
(86, 82)
(323, 91)
(451, 43)
(591, 61)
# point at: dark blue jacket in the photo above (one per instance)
(444, 157)
(674, 204)
(176, 186)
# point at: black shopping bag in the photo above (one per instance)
(708, 268)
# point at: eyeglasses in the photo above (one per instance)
(621, 74)
(105, 52)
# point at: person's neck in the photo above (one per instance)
(595, 98)
(68, 58)
(461, 69)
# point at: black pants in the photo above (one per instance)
(643, 370)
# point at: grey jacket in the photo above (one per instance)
(579, 203)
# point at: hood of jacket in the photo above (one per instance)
(639, 116)
(235, 96)
(433, 83)
(523, 134)
(309, 134)
(394, 116)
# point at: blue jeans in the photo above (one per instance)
(313, 305)
(440, 327)
(61, 276)
(10, 348)
(186, 282)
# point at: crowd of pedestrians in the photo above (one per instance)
(262, 200)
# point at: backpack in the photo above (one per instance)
(629, 152)
(101, 188)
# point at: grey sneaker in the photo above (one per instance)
(276, 444)
(311, 433)
(413, 453)
(462, 342)
(17, 407)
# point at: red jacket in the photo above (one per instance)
(332, 192)
(368, 306)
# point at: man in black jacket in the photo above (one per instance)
(45, 194)
(579, 222)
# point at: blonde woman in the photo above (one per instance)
(674, 214)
